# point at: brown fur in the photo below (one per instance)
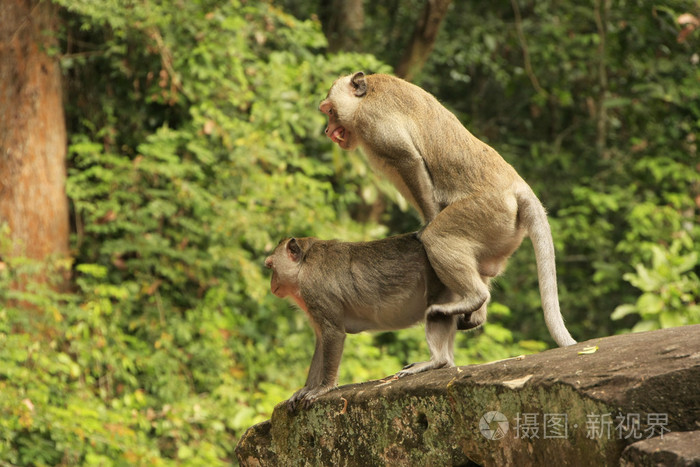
(349, 287)
(476, 207)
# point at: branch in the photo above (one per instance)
(526, 54)
(601, 113)
(423, 38)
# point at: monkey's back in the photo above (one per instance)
(431, 128)
(379, 285)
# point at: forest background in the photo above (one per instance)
(143, 332)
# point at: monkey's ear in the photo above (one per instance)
(359, 84)
(294, 249)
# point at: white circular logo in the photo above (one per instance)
(493, 425)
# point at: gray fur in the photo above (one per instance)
(347, 287)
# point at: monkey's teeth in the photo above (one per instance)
(338, 135)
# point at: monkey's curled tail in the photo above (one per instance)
(534, 217)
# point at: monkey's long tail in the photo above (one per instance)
(534, 217)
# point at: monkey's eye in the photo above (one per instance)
(330, 111)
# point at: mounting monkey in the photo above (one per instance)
(476, 208)
(349, 287)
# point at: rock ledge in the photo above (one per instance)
(557, 407)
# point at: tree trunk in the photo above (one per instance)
(342, 22)
(33, 200)
(602, 9)
(423, 38)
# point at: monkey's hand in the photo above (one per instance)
(304, 397)
(296, 398)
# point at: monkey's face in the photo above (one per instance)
(284, 262)
(340, 107)
(335, 130)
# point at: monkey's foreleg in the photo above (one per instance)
(440, 333)
(323, 373)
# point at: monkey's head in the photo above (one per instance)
(285, 262)
(340, 106)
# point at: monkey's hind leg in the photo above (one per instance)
(454, 255)
(470, 303)
(440, 333)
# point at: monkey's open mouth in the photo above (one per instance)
(338, 135)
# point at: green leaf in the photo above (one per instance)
(498, 333)
(94, 270)
(646, 325)
(622, 311)
(671, 319)
(649, 303)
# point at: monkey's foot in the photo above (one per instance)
(465, 319)
(420, 367)
(304, 397)
(470, 321)
(462, 307)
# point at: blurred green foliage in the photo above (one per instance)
(195, 145)
(671, 289)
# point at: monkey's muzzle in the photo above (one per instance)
(338, 135)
